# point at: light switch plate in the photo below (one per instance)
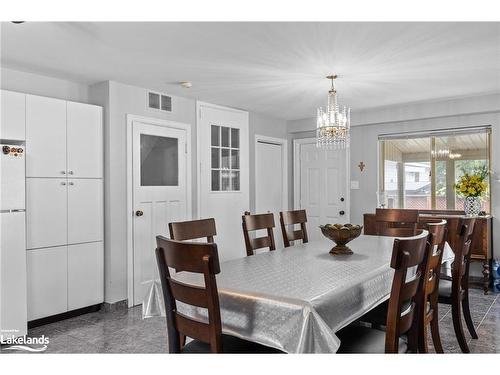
(354, 185)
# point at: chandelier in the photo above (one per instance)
(332, 125)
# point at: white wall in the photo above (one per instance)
(36, 84)
(446, 114)
(119, 100)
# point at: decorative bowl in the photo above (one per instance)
(341, 235)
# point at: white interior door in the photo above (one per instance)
(46, 212)
(45, 137)
(84, 135)
(47, 289)
(270, 183)
(224, 178)
(85, 274)
(12, 115)
(159, 194)
(323, 186)
(85, 213)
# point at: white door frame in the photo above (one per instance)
(296, 174)
(199, 106)
(130, 187)
(284, 162)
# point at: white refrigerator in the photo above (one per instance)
(13, 300)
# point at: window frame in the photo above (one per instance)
(229, 149)
(432, 135)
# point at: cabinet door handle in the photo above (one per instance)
(63, 183)
(70, 172)
(71, 183)
(63, 172)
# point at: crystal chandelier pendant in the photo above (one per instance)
(333, 124)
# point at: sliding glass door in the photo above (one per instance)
(419, 170)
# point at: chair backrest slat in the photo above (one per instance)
(194, 257)
(258, 222)
(260, 242)
(295, 235)
(410, 288)
(191, 295)
(292, 218)
(194, 229)
(407, 319)
(398, 232)
(390, 219)
(403, 250)
(192, 328)
(182, 260)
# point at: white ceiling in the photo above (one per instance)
(272, 68)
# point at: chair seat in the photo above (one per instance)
(445, 288)
(230, 345)
(358, 339)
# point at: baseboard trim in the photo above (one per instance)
(63, 316)
(120, 305)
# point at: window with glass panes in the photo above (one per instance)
(420, 170)
(225, 158)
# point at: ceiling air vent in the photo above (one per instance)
(159, 102)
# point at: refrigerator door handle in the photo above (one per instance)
(19, 210)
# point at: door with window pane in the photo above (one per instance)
(224, 174)
(159, 195)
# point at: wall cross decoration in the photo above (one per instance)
(361, 166)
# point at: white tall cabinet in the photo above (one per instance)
(64, 206)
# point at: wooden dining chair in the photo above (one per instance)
(456, 291)
(429, 291)
(201, 258)
(194, 229)
(395, 222)
(252, 223)
(293, 218)
(402, 308)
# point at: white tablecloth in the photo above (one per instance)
(295, 299)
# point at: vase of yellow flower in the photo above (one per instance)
(472, 206)
(472, 187)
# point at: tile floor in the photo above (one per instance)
(124, 331)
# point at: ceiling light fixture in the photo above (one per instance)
(332, 125)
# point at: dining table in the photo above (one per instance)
(295, 299)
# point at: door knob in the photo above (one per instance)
(139, 213)
(342, 212)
